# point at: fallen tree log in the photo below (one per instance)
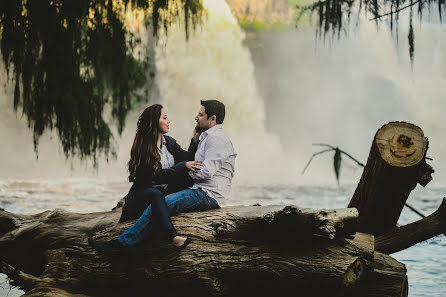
(236, 251)
(400, 238)
(388, 277)
(396, 164)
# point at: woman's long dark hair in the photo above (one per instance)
(144, 149)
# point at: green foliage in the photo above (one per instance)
(71, 58)
(295, 2)
(256, 25)
(252, 25)
(302, 17)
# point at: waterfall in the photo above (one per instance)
(339, 93)
(214, 64)
(281, 96)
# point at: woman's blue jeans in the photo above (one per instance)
(188, 200)
(160, 214)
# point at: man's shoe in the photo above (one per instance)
(106, 247)
(185, 244)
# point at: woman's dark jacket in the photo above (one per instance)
(169, 180)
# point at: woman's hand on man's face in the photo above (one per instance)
(194, 165)
(196, 134)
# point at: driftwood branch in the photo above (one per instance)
(337, 159)
(314, 155)
(21, 279)
(289, 223)
(343, 152)
(401, 238)
(396, 163)
(235, 251)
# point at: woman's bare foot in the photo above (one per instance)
(178, 240)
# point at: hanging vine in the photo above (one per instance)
(68, 59)
(334, 16)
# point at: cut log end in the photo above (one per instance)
(396, 164)
(401, 144)
(355, 273)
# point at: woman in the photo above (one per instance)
(157, 164)
(156, 161)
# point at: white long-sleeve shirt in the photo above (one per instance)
(166, 158)
(218, 155)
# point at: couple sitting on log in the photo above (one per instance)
(168, 180)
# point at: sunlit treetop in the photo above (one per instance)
(69, 59)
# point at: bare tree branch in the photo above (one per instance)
(324, 144)
(315, 154)
(396, 11)
(348, 155)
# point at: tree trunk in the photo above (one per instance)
(400, 238)
(235, 251)
(395, 165)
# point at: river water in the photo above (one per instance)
(425, 262)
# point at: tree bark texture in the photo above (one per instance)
(396, 164)
(400, 238)
(235, 251)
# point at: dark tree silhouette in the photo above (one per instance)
(334, 16)
(68, 59)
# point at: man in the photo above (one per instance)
(212, 183)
